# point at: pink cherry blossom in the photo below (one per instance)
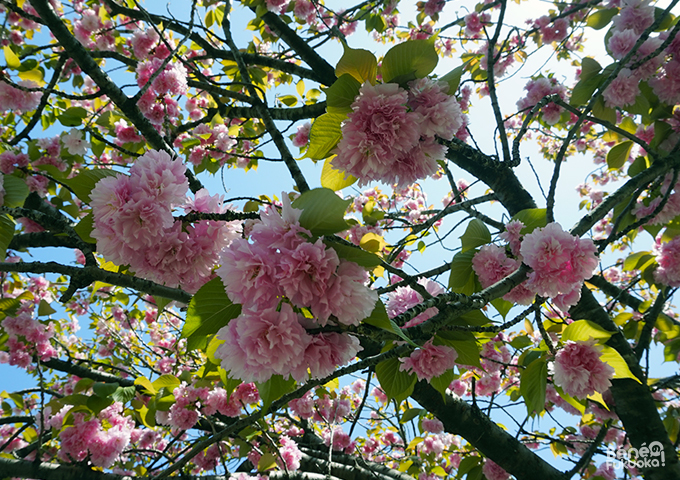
(262, 343)
(305, 273)
(248, 272)
(379, 130)
(579, 370)
(347, 298)
(560, 261)
(668, 257)
(623, 90)
(621, 42)
(491, 264)
(12, 98)
(433, 7)
(432, 425)
(301, 138)
(290, 454)
(429, 361)
(635, 14)
(404, 298)
(493, 472)
(441, 112)
(325, 352)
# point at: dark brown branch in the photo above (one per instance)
(474, 426)
(92, 274)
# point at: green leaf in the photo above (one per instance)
(410, 414)
(379, 319)
(273, 389)
(360, 64)
(614, 359)
(453, 78)
(44, 309)
(83, 183)
(96, 403)
(409, 60)
(209, 310)
(288, 100)
(475, 318)
(9, 306)
(619, 154)
(104, 390)
(355, 254)
(465, 344)
(638, 166)
(600, 110)
(396, 384)
(16, 191)
(502, 306)
(10, 58)
(476, 234)
(324, 135)
(583, 90)
(584, 330)
(532, 218)
(72, 117)
(335, 179)
(637, 261)
(266, 461)
(146, 383)
(589, 68)
(84, 228)
(372, 242)
(166, 381)
(467, 464)
(442, 382)
(461, 272)
(124, 394)
(601, 18)
(341, 95)
(6, 233)
(578, 405)
(323, 212)
(532, 385)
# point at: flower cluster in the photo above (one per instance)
(560, 262)
(539, 88)
(668, 257)
(84, 436)
(429, 361)
(14, 99)
(404, 298)
(27, 337)
(134, 225)
(390, 134)
(272, 278)
(579, 370)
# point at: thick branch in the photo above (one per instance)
(474, 426)
(95, 273)
(633, 400)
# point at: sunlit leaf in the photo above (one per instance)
(209, 310)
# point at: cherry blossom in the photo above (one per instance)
(579, 370)
(429, 361)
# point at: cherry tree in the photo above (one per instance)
(392, 296)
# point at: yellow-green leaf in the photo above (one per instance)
(359, 63)
(409, 60)
(614, 359)
(10, 58)
(584, 330)
(335, 179)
